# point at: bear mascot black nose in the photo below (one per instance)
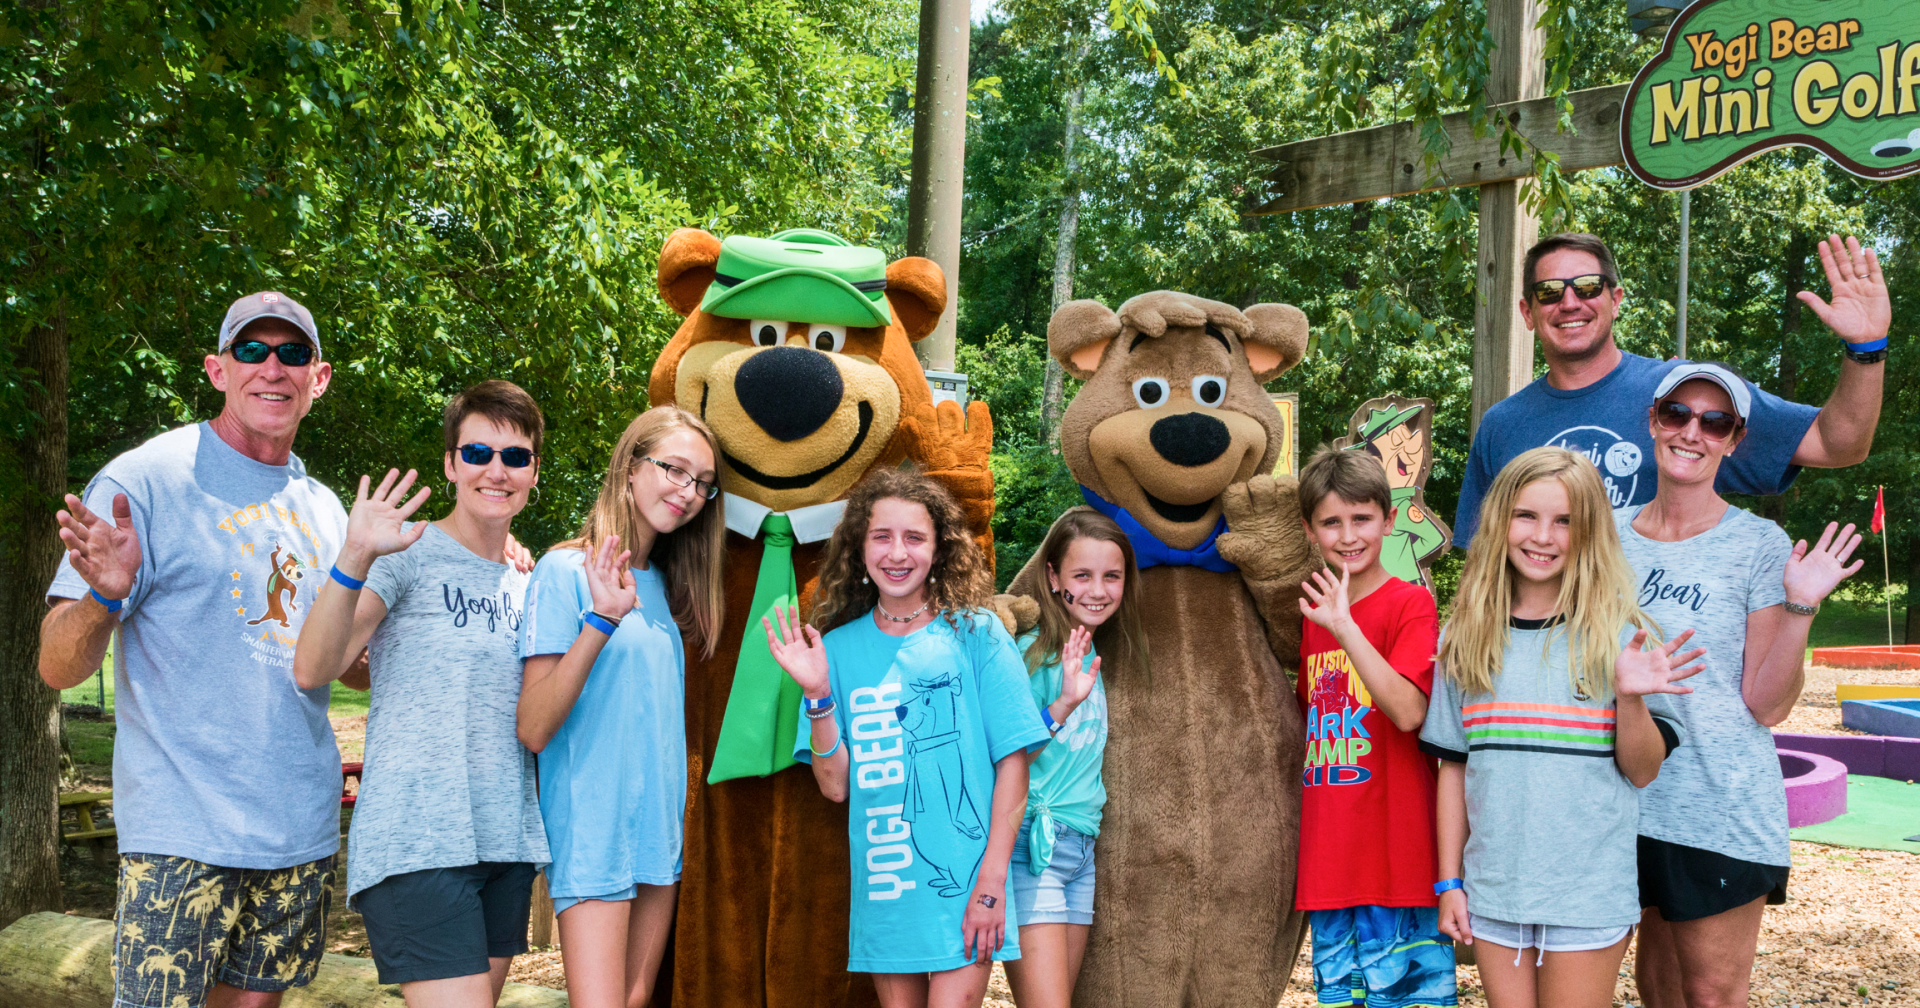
(1190, 439)
(789, 391)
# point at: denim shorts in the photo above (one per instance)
(1063, 894)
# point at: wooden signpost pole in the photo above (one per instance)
(1502, 346)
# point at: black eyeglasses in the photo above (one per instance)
(513, 458)
(1590, 286)
(680, 477)
(1674, 416)
(254, 351)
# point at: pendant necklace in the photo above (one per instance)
(908, 618)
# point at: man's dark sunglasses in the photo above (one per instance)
(254, 351)
(513, 458)
(1714, 424)
(1590, 286)
(680, 477)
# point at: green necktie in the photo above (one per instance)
(763, 710)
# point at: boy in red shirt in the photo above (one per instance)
(1367, 854)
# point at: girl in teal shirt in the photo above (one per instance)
(1091, 597)
(921, 721)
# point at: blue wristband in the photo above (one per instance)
(599, 622)
(1046, 718)
(112, 604)
(1868, 347)
(816, 705)
(352, 585)
(823, 755)
(1445, 885)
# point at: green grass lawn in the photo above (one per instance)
(1848, 621)
(344, 702)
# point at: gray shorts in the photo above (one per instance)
(1545, 937)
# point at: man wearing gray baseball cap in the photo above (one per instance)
(202, 547)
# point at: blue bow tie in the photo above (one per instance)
(1149, 551)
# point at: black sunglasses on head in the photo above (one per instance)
(254, 351)
(1674, 416)
(513, 458)
(1590, 286)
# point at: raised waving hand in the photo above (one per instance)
(1860, 310)
(1328, 596)
(1077, 674)
(609, 579)
(1639, 670)
(1814, 573)
(799, 650)
(375, 526)
(106, 554)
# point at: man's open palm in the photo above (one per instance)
(106, 554)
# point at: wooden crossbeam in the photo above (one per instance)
(1387, 160)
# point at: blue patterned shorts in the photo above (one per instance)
(1382, 957)
(182, 926)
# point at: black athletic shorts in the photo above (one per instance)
(446, 922)
(1688, 883)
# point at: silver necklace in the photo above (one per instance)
(908, 618)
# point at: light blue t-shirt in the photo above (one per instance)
(1064, 785)
(613, 782)
(1607, 422)
(218, 755)
(924, 717)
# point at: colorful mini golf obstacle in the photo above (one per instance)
(1816, 787)
(1889, 718)
(1879, 805)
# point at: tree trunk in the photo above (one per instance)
(29, 710)
(1054, 388)
(1775, 508)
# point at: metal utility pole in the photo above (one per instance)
(1680, 309)
(940, 159)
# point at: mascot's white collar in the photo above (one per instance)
(812, 523)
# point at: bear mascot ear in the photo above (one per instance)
(686, 268)
(917, 290)
(1078, 336)
(1278, 339)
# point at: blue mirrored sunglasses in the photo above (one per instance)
(512, 458)
(256, 351)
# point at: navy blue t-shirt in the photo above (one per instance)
(1607, 422)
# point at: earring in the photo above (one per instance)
(453, 490)
(863, 579)
(534, 498)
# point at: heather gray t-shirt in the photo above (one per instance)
(218, 756)
(1552, 818)
(446, 782)
(1722, 791)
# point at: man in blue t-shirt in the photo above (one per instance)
(1593, 398)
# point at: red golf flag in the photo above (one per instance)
(1879, 509)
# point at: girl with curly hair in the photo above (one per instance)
(919, 713)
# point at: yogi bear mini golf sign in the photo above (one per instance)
(1737, 78)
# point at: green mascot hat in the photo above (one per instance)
(799, 275)
(1381, 421)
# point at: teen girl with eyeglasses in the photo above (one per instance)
(446, 829)
(1713, 828)
(605, 695)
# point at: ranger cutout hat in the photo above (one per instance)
(800, 275)
(1381, 421)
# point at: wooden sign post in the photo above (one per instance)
(1385, 161)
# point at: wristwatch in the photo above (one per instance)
(1800, 610)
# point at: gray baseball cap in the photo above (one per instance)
(264, 304)
(1736, 389)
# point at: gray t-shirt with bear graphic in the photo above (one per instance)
(446, 781)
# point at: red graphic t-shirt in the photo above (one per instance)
(1366, 815)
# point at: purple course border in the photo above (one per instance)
(1871, 755)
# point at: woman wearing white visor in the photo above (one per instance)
(1713, 826)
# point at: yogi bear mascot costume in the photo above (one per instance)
(1173, 438)
(797, 351)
